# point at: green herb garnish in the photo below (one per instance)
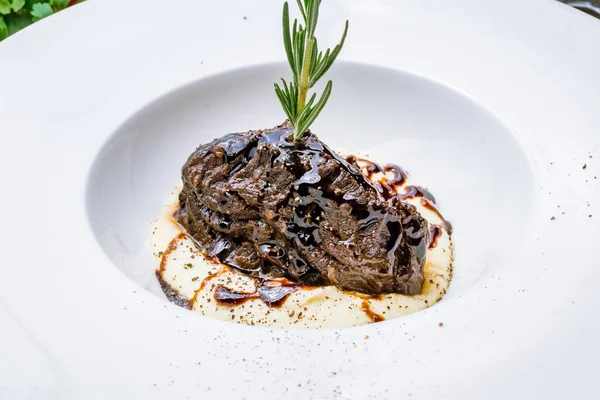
(17, 14)
(308, 66)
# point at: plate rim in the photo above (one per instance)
(22, 312)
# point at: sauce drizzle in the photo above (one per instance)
(428, 205)
(172, 294)
(209, 277)
(372, 315)
(312, 193)
(400, 175)
(434, 232)
(272, 293)
(170, 248)
(416, 191)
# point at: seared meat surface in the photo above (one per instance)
(269, 206)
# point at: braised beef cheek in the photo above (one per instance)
(270, 206)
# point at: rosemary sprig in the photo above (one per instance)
(308, 65)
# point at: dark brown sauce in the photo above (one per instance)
(170, 248)
(209, 277)
(372, 315)
(430, 206)
(434, 232)
(386, 190)
(372, 167)
(385, 186)
(172, 294)
(312, 193)
(272, 293)
(235, 144)
(400, 175)
(416, 191)
(365, 296)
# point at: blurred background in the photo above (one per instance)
(18, 14)
(591, 7)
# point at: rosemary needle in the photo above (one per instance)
(308, 65)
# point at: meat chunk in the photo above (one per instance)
(270, 206)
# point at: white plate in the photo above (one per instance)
(494, 106)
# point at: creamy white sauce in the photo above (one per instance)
(194, 278)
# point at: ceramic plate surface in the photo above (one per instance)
(493, 106)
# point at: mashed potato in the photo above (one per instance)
(192, 280)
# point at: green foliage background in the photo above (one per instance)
(17, 14)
